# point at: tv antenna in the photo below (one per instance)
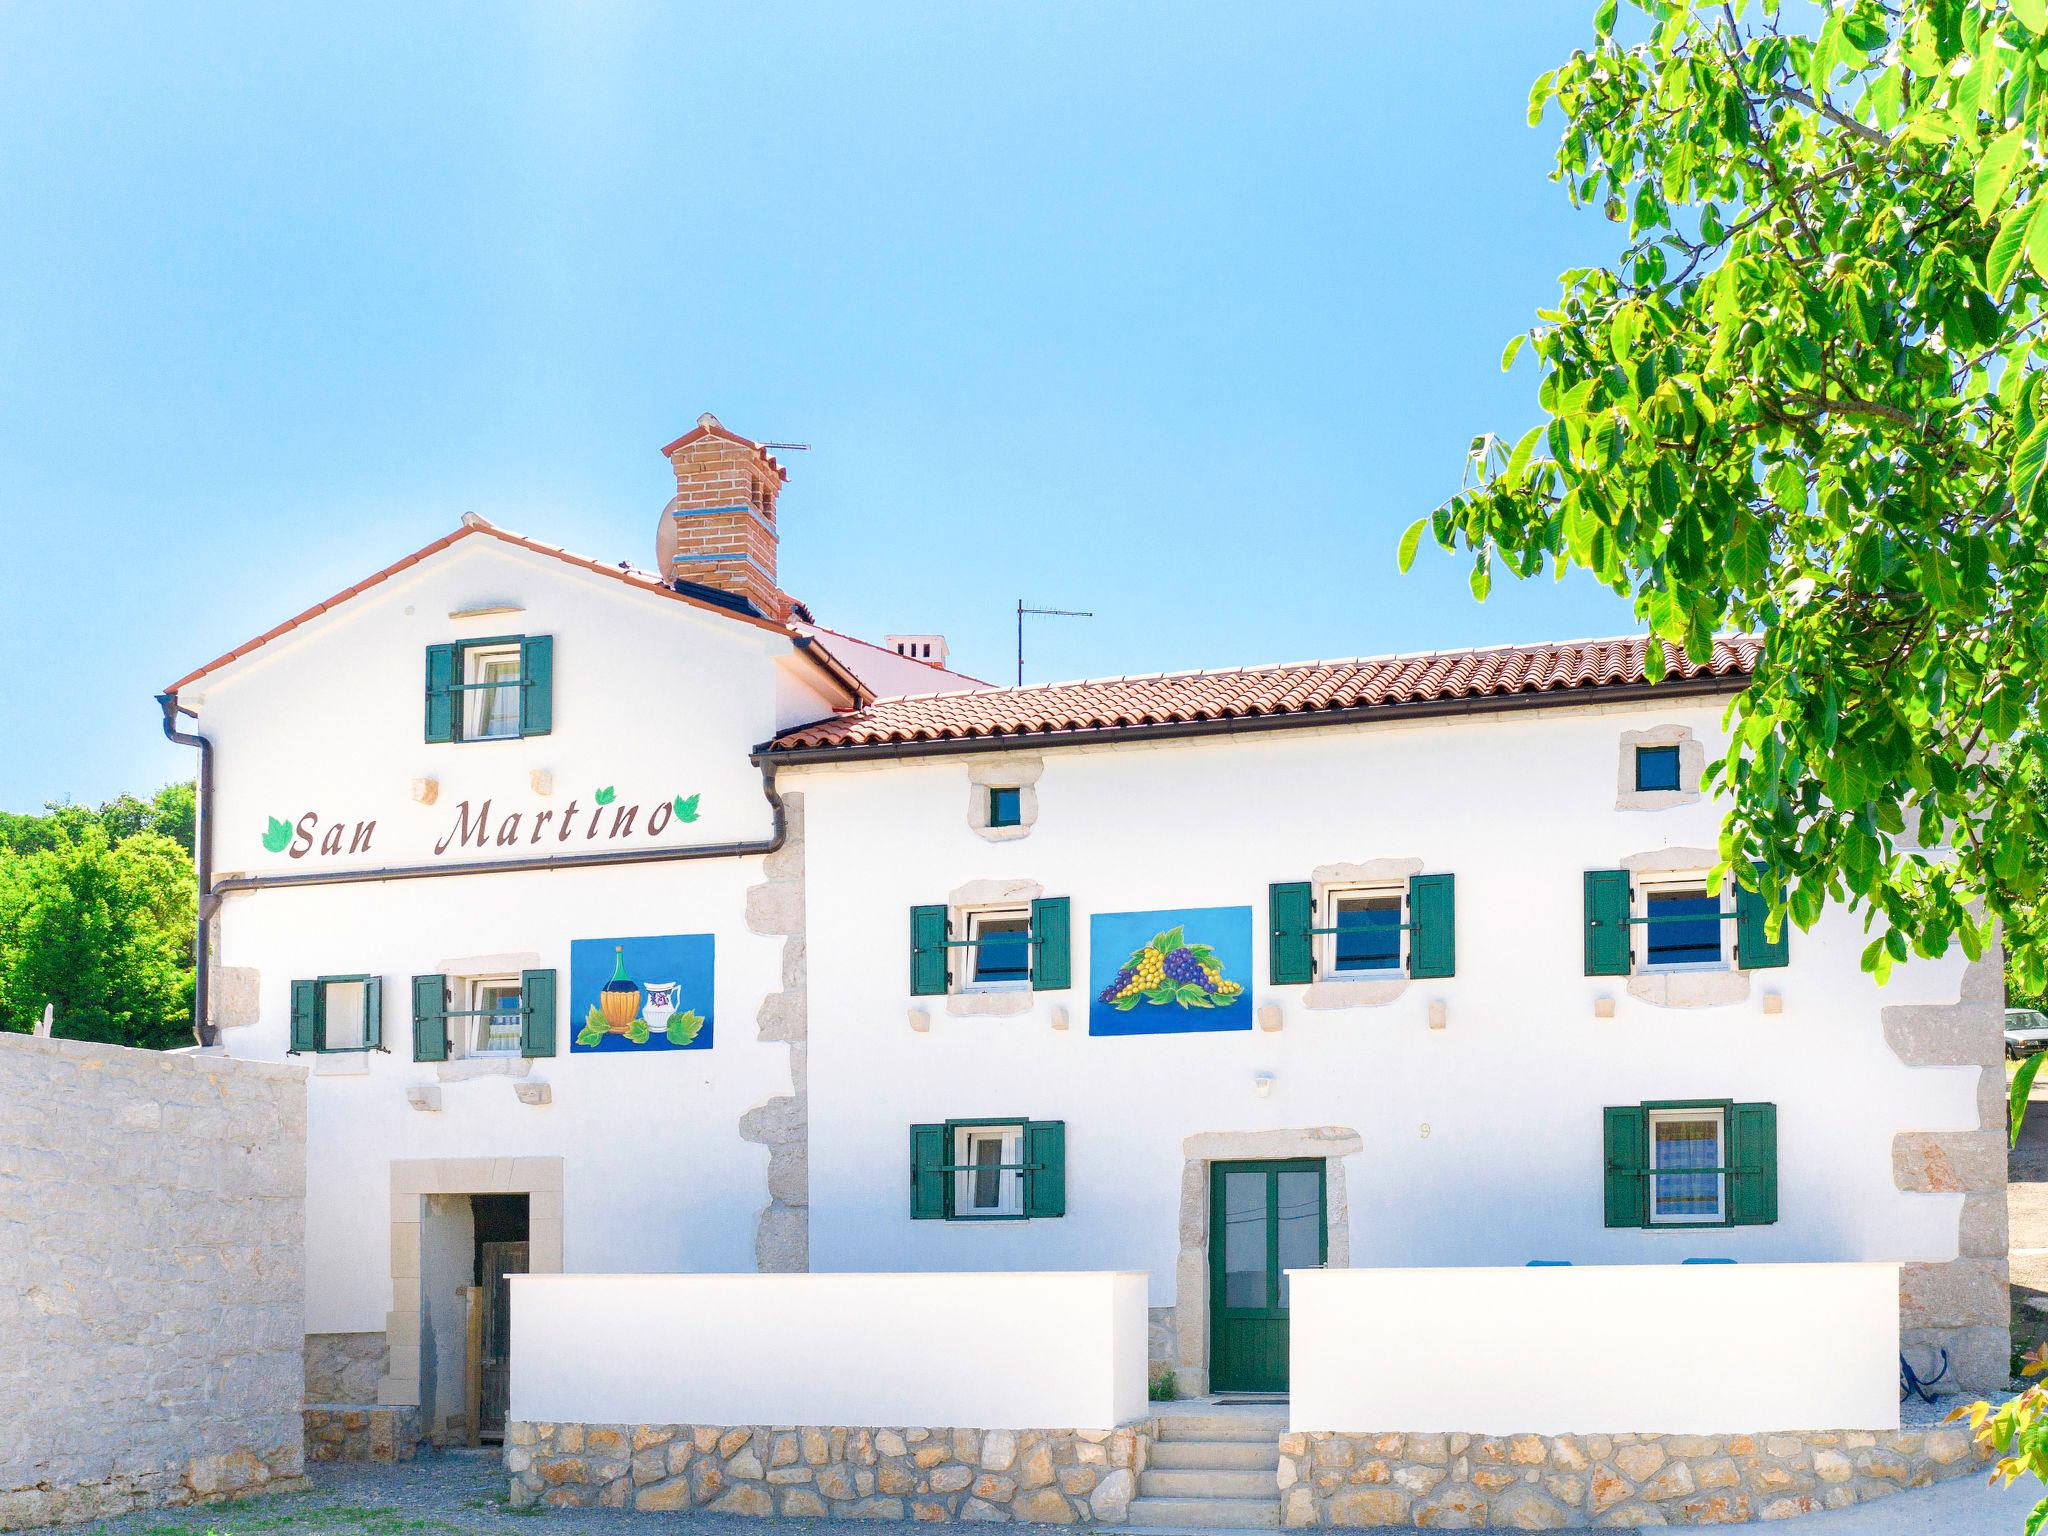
(1050, 613)
(789, 447)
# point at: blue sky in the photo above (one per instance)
(1178, 313)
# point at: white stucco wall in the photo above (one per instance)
(985, 1351)
(1481, 1142)
(1663, 1349)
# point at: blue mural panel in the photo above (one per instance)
(641, 994)
(1181, 971)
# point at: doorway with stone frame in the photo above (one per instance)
(1329, 1144)
(436, 1238)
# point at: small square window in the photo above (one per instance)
(345, 1009)
(999, 954)
(1687, 1182)
(1368, 931)
(988, 1177)
(494, 1019)
(490, 692)
(1657, 768)
(1684, 927)
(1005, 807)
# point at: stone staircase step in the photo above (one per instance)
(1221, 1454)
(1207, 1483)
(1223, 1426)
(1207, 1514)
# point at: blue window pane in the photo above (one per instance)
(1695, 939)
(1369, 937)
(1004, 953)
(1005, 807)
(1683, 1144)
(1656, 767)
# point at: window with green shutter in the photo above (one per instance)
(337, 1014)
(1361, 933)
(1684, 925)
(1004, 949)
(495, 689)
(988, 1170)
(1678, 1164)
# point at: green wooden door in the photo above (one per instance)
(1264, 1219)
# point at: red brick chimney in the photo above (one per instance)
(719, 531)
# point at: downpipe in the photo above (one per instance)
(202, 856)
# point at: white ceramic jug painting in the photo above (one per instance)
(660, 1004)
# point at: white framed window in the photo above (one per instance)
(988, 1179)
(493, 1021)
(1684, 931)
(490, 692)
(1688, 1186)
(1365, 936)
(998, 955)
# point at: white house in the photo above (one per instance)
(632, 921)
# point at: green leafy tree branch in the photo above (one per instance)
(1809, 400)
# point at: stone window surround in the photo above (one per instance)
(1692, 768)
(1704, 988)
(974, 896)
(1332, 1143)
(412, 1180)
(1021, 773)
(1360, 992)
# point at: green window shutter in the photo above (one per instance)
(1290, 908)
(929, 931)
(536, 685)
(1045, 1185)
(1755, 950)
(430, 1018)
(441, 694)
(305, 1016)
(373, 1013)
(927, 1179)
(1626, 1154)
(1433, 941)
(1753, 1154)
(536, 1013)
(1051, 945)
(1608, 949)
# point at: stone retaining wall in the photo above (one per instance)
(152, 1244)
(1052, 1476)
(361, 1432)
(1547, 1482)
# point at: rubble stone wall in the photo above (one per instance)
(1549, 1482)
(152, 1242)
(1048, 1476)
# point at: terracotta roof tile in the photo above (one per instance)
(1051, 710)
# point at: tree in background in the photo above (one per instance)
(1809, 400)
(97, 909)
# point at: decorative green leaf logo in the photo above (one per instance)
(605, 796)
(277, 835)
(684, 1027)
(686, 810)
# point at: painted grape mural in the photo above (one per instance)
(1179, 971)
(1168, 969)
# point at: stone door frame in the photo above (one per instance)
(412, 1180)
(1330, 1143)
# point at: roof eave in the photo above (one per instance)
(1707, 685)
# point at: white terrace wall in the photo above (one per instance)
(984, 1351)
(152, 1229)
(1623, 1348)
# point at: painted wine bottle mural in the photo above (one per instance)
(617, 1008)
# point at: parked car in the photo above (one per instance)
(2026, 1031)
